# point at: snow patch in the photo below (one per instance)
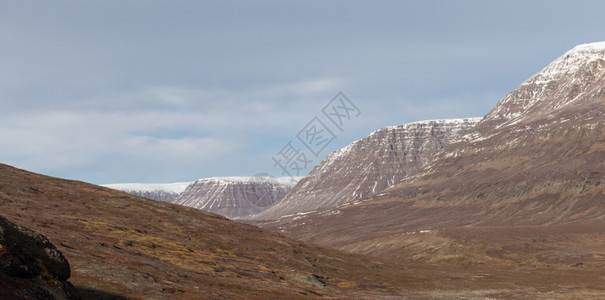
(176, 188)
(289, 181)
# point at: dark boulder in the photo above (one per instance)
(31, 267)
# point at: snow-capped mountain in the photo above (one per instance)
(370, 165)
(155, 191)
(534, 160)
(571, 78)
(236, 197)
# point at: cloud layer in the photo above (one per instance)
(158, 91)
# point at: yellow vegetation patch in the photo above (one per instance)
(346, 285)
(157, 247)
(169, 251)
(594, 191)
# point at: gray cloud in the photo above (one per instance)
(109, 91)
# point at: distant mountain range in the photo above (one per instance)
(236, 197)
(167, 192)
(232, 197)
(360, 170)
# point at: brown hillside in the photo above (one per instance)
(123, 245)
(120, 246)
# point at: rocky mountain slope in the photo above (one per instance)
(531, 165)
(167, 192)
(370, 165)
(236, 197)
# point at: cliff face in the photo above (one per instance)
(235, 197)
(370, 165)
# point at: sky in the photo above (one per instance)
(169, 91)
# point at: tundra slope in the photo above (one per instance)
(124, 247)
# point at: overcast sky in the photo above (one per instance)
(167, 91)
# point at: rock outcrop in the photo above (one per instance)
(31, 267)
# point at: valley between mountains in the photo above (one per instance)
(507, 206)
(123, 247)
